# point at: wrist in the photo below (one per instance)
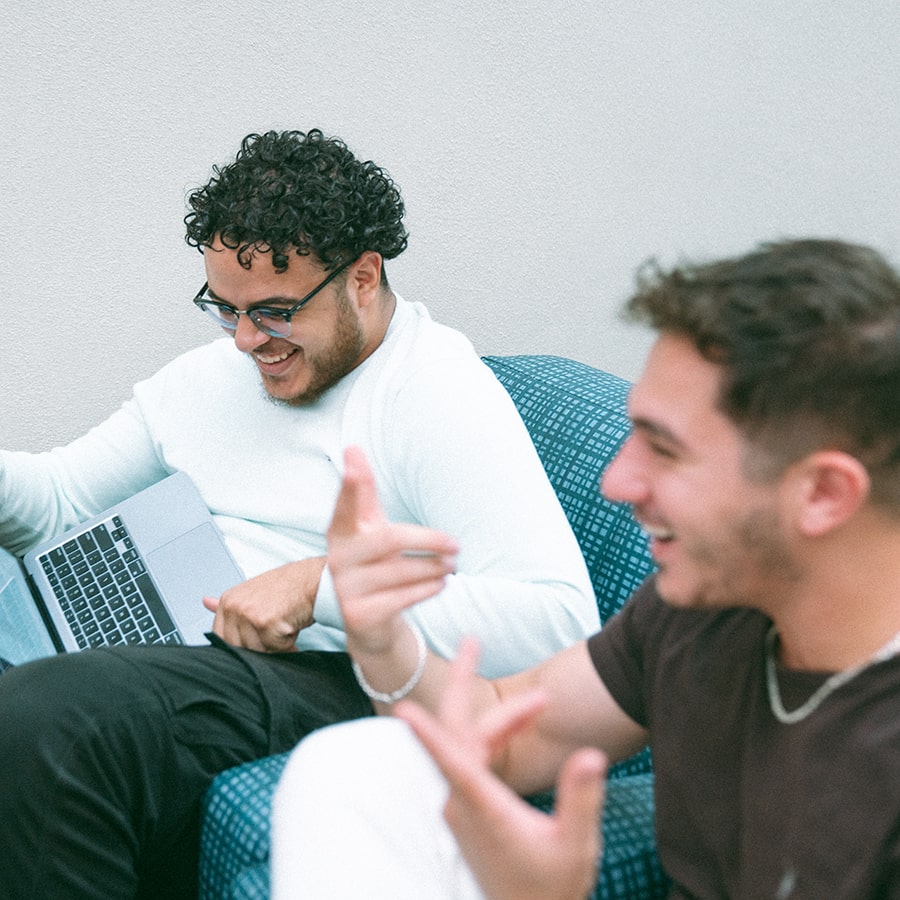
(307, 576)
(389, 697)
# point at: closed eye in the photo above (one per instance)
(662, 450)
(657, 439)
(266, 312)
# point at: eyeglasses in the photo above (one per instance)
(268, 319)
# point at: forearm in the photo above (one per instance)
(533, 724)
(27, 500)
(517, 622)
(42, 494)
(561, 727)
(529, 757)
(398, 668)
(425, 679)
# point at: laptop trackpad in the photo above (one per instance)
(193, 566)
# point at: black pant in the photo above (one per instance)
(105, 757)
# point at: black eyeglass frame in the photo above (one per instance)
(253, 312)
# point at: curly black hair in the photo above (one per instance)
(298, 192)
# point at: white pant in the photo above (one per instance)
(358, 815)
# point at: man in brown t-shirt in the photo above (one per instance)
(760, 662)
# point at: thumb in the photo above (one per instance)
(579, 798)
(211, 603)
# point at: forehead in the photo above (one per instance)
(230, 281)
(677, 394)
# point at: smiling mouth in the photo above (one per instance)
(271, 359)
(657, 532)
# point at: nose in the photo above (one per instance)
(247, 336)
(623, 480)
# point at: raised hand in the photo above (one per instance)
(379, 568)
(515, 851)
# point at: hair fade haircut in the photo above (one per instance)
(807, 333)
(298, 192)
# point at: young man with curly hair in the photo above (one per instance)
(761, 662)
(107, 753)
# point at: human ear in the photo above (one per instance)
(832, 486)
(365, 277)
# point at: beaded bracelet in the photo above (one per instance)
(400, 693)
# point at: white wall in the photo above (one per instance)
(543, 149)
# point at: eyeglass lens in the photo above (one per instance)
(263, 319)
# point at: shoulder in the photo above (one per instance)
(213, 380)
(419, 340)
(214, 361)
(420, 359)
(648, 645)
(866, 713)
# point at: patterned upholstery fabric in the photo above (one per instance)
(235, 835)
(576, 417)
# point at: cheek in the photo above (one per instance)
(707, 519)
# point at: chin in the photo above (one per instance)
(293, 398)
(676, 600)
(679, 595)
(292, 395)
(308, 385)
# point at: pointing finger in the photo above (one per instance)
(357, 502)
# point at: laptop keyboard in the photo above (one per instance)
(104, 589)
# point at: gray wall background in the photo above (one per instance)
(544, 150)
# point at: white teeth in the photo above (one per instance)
(662, 534)
(268, 360)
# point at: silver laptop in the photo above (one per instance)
(136, 574)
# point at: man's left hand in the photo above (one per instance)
(514, 850)
(268, 612)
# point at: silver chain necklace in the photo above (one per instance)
(828, 687)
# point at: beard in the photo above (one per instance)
(329, 366)
(744, 568)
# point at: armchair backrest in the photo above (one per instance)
(577, 421)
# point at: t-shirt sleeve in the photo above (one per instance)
(618, 651)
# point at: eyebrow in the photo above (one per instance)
(269, 301)
(655, 429)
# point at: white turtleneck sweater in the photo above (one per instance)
(445, 442)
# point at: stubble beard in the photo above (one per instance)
(755, 562)
(331, 365)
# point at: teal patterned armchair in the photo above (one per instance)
(576, 417)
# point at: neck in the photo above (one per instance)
(389, 304)
(844, 613)
(833, 643)
(379, 316)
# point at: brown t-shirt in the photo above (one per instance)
(747, 807)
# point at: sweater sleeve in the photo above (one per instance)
(455, 455)
(44, 493)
